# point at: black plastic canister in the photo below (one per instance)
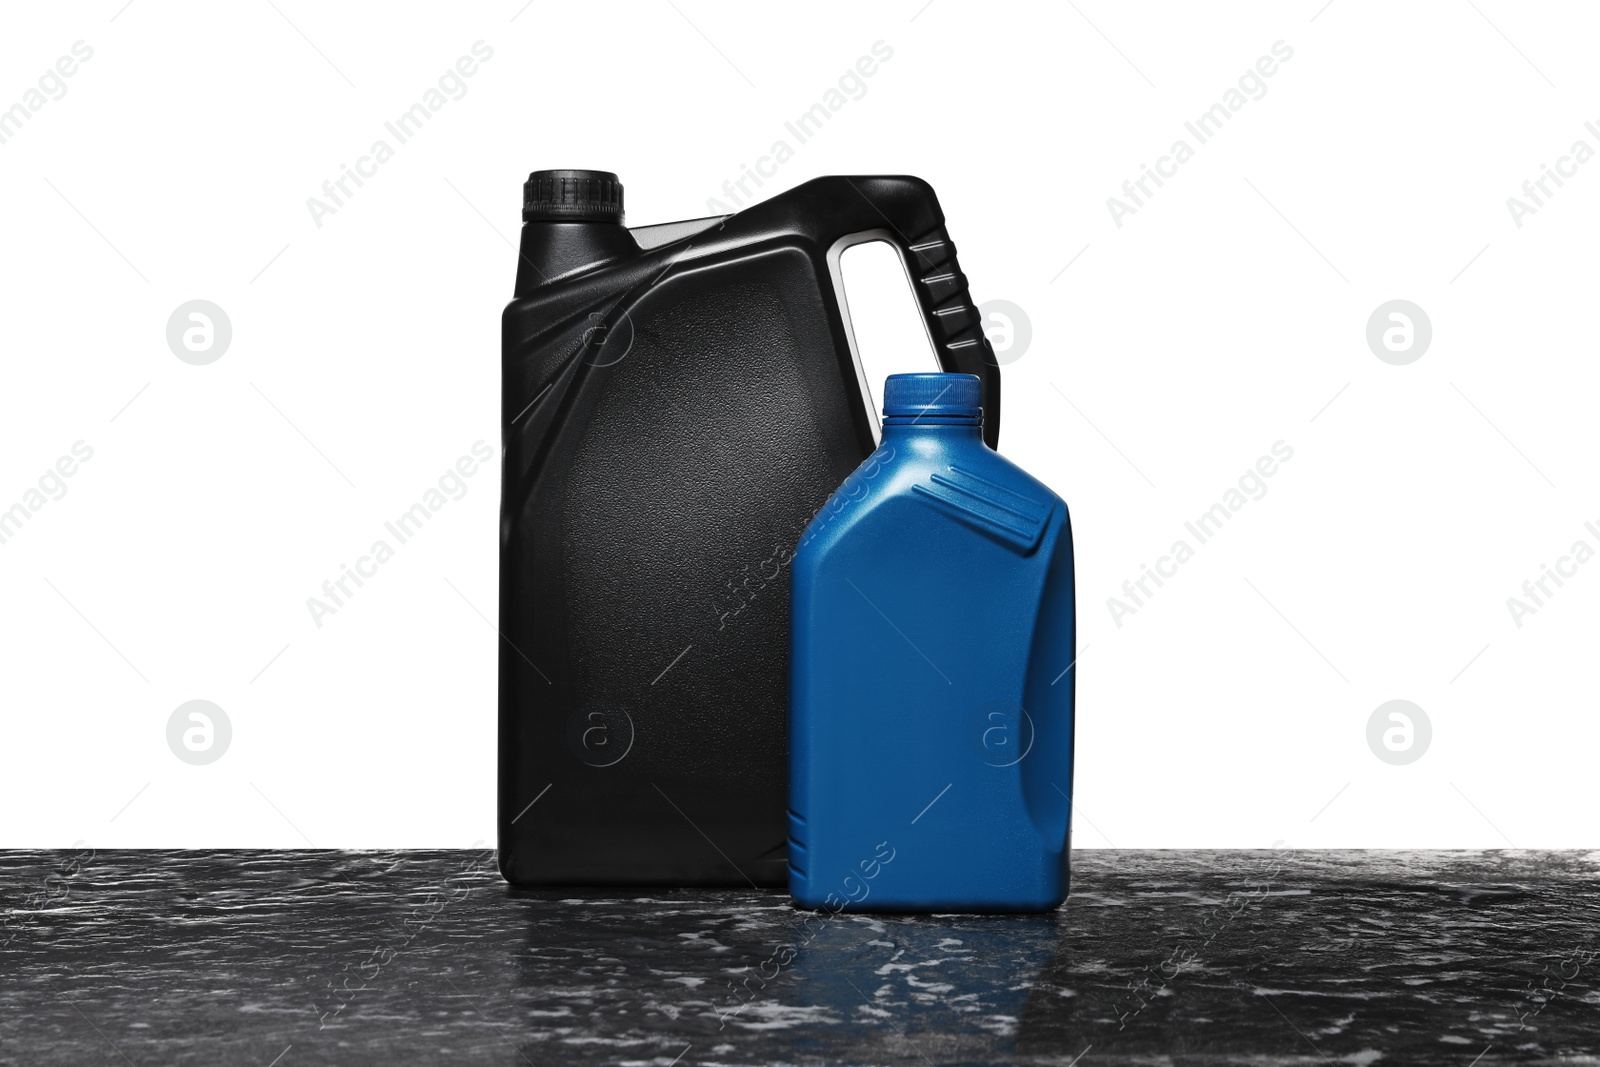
(678, 401)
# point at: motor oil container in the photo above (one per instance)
(931, 686)
(678, 400)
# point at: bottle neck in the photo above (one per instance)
(551, 249)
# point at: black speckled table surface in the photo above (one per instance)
(279, 959)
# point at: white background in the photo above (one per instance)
(1227, 314)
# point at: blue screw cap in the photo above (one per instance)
(933, 395)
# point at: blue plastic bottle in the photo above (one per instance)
(930, 687)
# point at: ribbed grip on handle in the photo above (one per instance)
(942, 291)
(953, 320)
(904, 210)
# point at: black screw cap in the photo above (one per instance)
(572, 196)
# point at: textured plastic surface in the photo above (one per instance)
(673, 416)
(931, 682)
